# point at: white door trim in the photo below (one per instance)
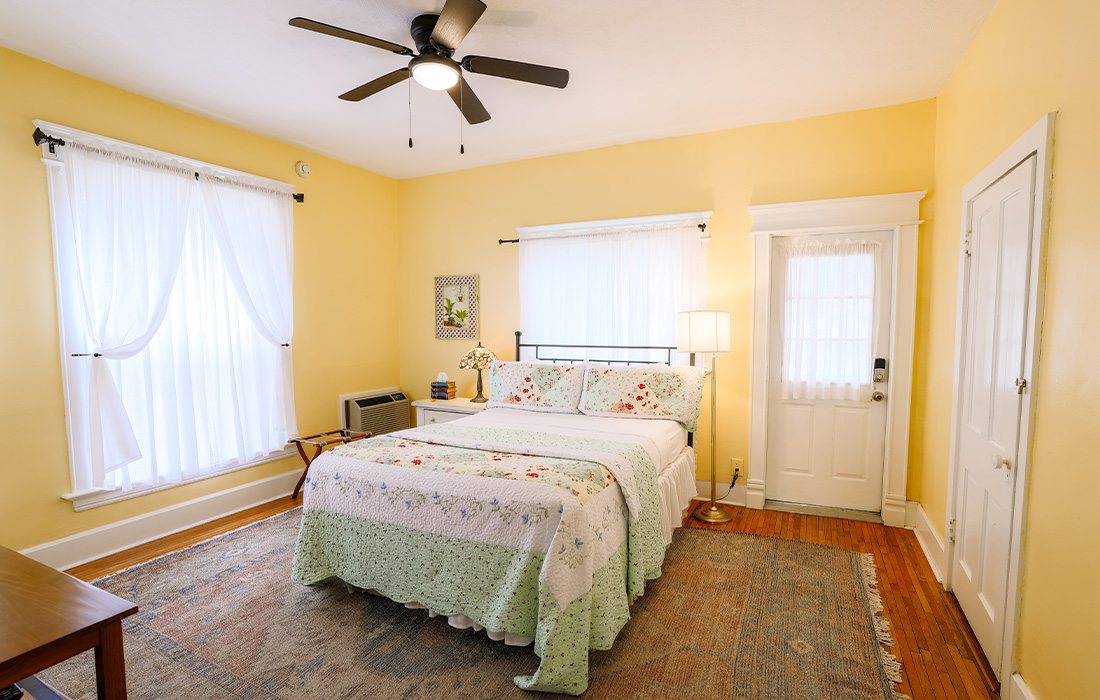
(1036, 141)
(896, 213)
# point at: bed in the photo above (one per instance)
(538, 528)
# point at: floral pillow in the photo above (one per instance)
(535, 386)
(650, 391)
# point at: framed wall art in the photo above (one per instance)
(456, 307)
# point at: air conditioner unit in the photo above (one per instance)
(376, 412)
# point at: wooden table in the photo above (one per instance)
(47, 616)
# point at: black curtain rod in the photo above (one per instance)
(40, 137)
(502, 241)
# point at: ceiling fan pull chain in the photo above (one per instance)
(410, 114)
(461, 118)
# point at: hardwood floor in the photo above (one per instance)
(937, 650)
(181, 540)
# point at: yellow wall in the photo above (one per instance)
(343, 339)
(450, 223)
(1032, 57)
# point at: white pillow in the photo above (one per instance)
(644, 391)
(535, 386)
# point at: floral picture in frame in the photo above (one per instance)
(456, 306)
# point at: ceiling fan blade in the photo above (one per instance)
(467, 101)
(377, 85)
(455, 21)
(517, 70)
(341, 33)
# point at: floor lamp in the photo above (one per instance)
(707, 331)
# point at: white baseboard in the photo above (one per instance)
(895, 511)
(754, 493)
(1018, 690)
(89, 545)
(736, 497)
(934, 549)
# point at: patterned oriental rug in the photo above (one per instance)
(736, 616)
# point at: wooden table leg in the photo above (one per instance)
(110, 665)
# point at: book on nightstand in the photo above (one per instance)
(444, 390)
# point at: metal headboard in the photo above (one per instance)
(668, 350)
(538, 347)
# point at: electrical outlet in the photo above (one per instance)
(737, 467)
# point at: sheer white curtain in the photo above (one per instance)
(254, 232)
(611, 285)
(828, 318)
(118, 278)
(183, 287)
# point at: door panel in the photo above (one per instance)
(850, 458)
(988, 437)
(794, 456)
(825, 451)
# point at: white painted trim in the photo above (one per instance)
(736, 497)
(930, 541)
(1037, 141)
(1017, 689)
(896, 213)
(574, 227)
(94, 498)
(845, 214)
(89, 545)
(87, 138)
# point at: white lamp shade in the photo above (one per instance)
(703, 331)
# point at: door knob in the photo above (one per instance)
(1000, 462)
(878, 396)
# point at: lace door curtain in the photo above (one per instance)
(828, 324)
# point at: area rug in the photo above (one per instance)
(733, 616)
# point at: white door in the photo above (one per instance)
(990, 403)
(830, 321)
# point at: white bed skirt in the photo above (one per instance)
(675, 489)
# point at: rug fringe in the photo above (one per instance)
(890, 663)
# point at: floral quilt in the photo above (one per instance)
(540, 535)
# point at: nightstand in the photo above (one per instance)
(430, 411)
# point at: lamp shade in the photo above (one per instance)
(703, 331)
(477, 358)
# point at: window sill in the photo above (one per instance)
(93, 498)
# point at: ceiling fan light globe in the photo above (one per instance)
(435, 75)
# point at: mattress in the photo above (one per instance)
(663, 439)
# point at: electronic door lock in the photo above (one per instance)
(879, 374)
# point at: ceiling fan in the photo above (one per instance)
(433, 66)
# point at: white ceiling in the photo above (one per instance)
(639, 68)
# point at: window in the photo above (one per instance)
(611, 283)
(174, 297)
(828, 318)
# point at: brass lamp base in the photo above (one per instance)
(711, 513)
